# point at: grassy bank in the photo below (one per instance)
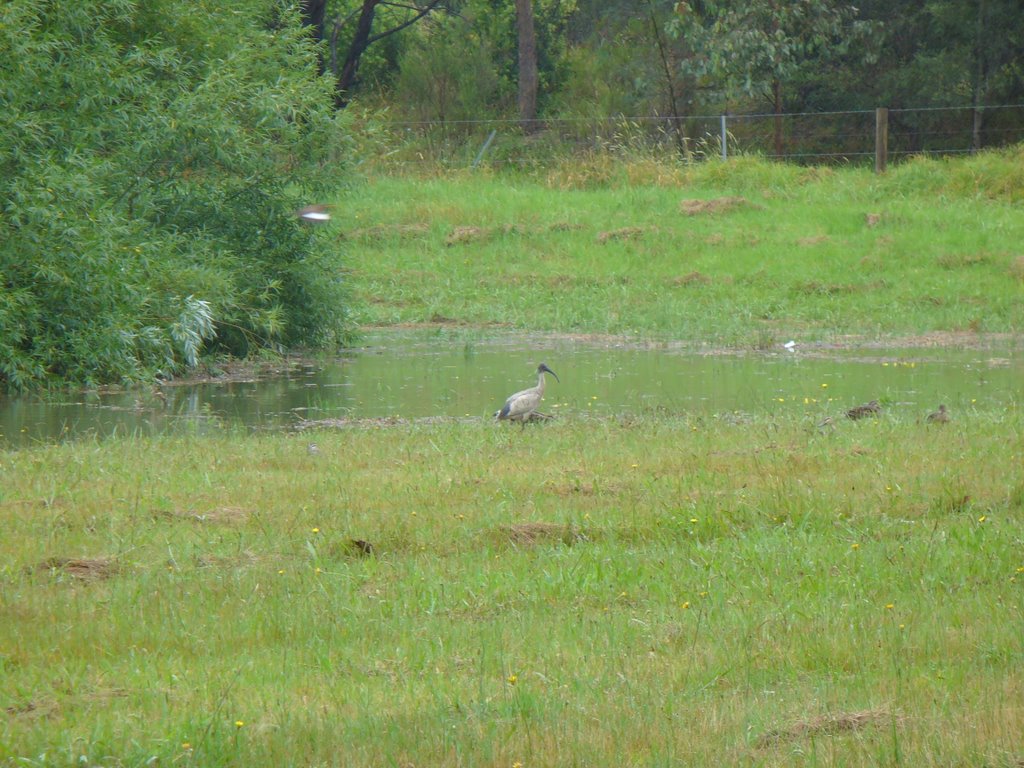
(744, 253)
(600, 592)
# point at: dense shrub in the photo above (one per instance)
(150, 157)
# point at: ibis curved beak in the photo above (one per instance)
(545, 369)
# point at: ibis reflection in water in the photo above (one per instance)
(522, 406)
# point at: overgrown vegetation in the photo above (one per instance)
(150, 157)
(642, 591)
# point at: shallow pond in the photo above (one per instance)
(400, 375)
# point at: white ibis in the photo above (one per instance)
(314, 214)
(523, 405)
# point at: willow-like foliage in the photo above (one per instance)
(151, 155)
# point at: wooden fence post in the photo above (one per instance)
(881, 139)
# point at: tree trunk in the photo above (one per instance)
(312, 12)
(527, 64)
(979, 76)
(360, 41)
(777, 99)
(668, 68)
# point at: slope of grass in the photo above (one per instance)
(810, 254)
(646, 592)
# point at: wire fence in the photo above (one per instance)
(847, 137)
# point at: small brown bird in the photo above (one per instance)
(940, 416)
(827, 423)
(361, 547)
(314, 214)
(863, 411)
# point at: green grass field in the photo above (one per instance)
(801, 253)
(655, 589)
(643, 592)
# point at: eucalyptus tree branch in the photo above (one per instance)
(332, 44)
(421, 12)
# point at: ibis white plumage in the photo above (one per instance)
(523, 405)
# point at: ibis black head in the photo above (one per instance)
(544, 369)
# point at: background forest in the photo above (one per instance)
(152, 154)
(464, 59)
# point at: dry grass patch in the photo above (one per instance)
(815, 288)
(531, 534)
(463, 235)
(248, 557)
(387, 231)
(690, 278)
(586, 489)
(51, 503)
(624, 233)
(813, 240)
(1017, 267)
(80, 568)
(224, 515)
(828, 725)
(32, 709)
(714, 205)
(961, 260)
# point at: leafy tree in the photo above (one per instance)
(446, 74)
(622, 61)
(755, 46)
(150, 157)
(328, 21)
(497, 22)
(941, 53)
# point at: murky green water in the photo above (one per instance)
(395, 375)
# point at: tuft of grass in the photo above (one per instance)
(86, 569)
(827, 725)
